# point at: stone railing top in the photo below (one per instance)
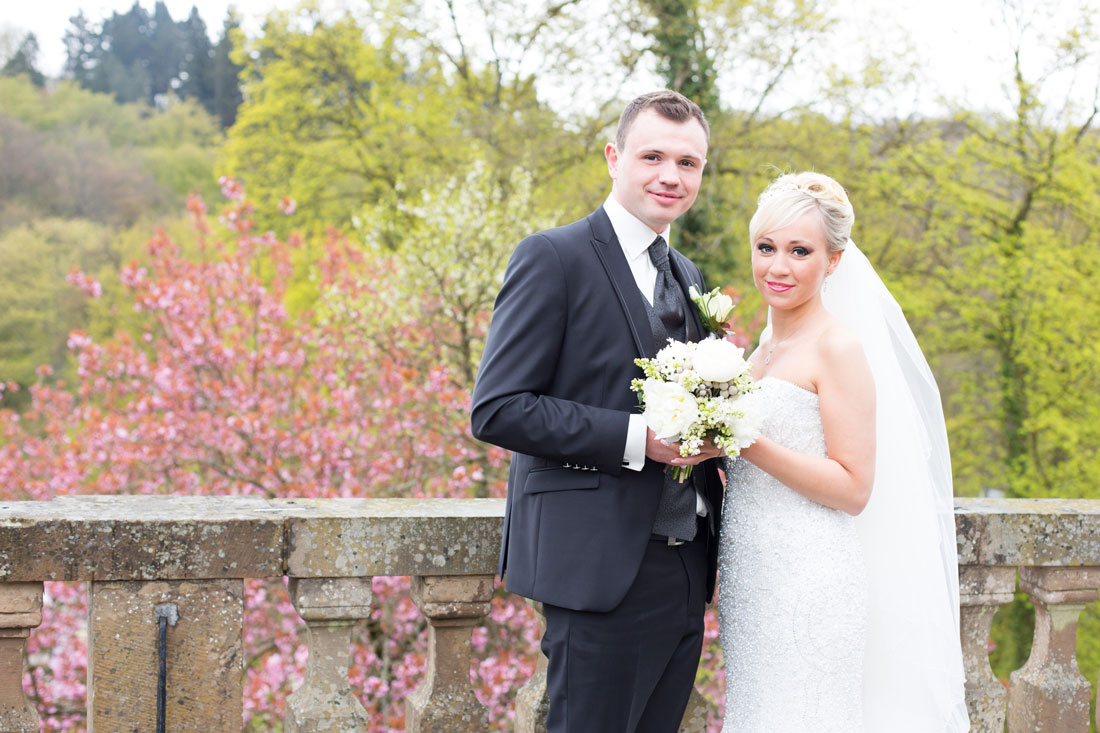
(1058, 532)
(189, 537)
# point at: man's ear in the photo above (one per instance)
(612, 154)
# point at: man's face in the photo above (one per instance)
(657, 174)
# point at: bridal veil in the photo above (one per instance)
(913, 670)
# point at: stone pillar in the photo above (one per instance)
(532, 700)
(1049, 693)
(325, 703)
(696, 714)
(205, 660)
(445, 701)
(20, 611)
(982, 590)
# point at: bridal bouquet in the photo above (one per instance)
(695, 391)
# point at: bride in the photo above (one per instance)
(838, 600)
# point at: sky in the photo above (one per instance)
(961, 45)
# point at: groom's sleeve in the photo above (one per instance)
(512, 407)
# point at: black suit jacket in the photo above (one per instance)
(554, 388)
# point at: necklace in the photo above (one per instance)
(775, 345)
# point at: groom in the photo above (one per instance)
(622, 557)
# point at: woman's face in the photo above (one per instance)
(789, 264)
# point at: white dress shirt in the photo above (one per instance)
(635, 237)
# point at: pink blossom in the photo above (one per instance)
(89, 285)
(223, 390)
(231, 188)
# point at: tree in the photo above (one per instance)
(225, 75)
(197, 63)
(992, 235)
(71, 153)
(137, 57)
(25, 61)
(1001, 212)
(124, 68)
(338, 123)
(166, 51)
(381, 89)
(81, 180)
(220, 389)
(83, 49)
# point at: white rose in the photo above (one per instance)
(718, 360)
(715, 307)
(669, 409)
(720, 306)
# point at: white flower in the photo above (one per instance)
(669, 409)
(746, 430)
(715, 308)
(718, 360)
(677, 353)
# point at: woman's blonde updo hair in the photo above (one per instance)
(792, 195)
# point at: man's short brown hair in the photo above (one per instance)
(667, 103)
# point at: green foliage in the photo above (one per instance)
(38, 307)
(458, 239)
(409, 125)
(82, 179)
(73, 153)
(342, 112)
(333, 121)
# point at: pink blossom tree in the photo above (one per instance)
(222, 389)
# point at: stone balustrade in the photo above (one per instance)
(138, 553)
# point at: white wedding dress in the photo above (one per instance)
(838, 623)
(792, 596)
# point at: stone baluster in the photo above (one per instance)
(982, 590)
(532, 700)
(20, 611)
(325, 702)
(1049, 693)
(445, 700)
(698, 711)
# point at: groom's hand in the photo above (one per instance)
(663, 451)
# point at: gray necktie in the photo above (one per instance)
(668, 302)
(676, 513)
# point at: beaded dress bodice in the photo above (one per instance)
(792, 589)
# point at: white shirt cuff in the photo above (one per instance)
(634, 455)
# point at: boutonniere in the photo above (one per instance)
(715, 308)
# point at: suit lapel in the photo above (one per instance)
(686, 280)
(611, 256)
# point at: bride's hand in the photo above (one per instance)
(706, 452)
(663, 451)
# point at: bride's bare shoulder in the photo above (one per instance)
(837, 342)
(842, 364)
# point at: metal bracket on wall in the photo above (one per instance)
(166, 614)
